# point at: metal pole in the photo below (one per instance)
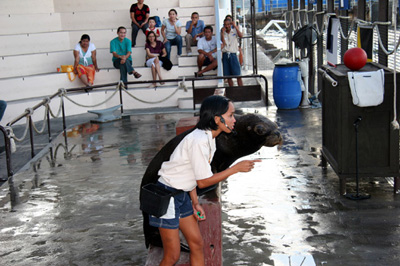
(31, 136)
(357, 196)
(50, 138)
(8, 152)
(64, 127)
(120, 98)
(253, 36)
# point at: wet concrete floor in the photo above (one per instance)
(84, 210)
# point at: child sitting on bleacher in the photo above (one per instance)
(152, 27)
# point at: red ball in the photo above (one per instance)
(355, 58)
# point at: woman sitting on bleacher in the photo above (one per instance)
(171, 32)
(154, 50)
(85, 60)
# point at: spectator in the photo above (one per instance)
(152, 27)
(121, 49)
(230, 61)
(154, 50)
(240, 40)
(139, 15)
(194, 30)
(3, 106)
(85, 63)
(171, 31)
(207, 48)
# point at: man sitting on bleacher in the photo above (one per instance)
(207, 49)
(121, 48)
(194, 30)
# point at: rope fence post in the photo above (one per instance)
(49, 135)
(120, 97)
(31, 136)
(7, 145)
(64, 127)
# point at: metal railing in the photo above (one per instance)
(8, 134)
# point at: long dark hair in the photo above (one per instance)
(212, 106)
(148, 34)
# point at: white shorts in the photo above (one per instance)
(149, 62)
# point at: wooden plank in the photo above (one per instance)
(236, 93)
(211, 228)
(244, 93)
(200, 94)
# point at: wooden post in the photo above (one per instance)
(361, 10)
(302, 7)
(331, 6)
(320, 43)
(290, 31)
(344, 44)
(383, 30)
(311, 73)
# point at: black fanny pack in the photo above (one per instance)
(154, 199)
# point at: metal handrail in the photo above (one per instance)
(45, 101)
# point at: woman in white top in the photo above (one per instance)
(171, 32)
(188, 167)
(85, 63)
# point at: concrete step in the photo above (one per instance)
(159, 8)
(63, 40)
(43, 63)
(48, 84)
(27, 7)
(34, 43)
(189, 60)
(189, 4)
(29, 23)
(100, 5)
(50, 6)
(88, 20)
(186, 103)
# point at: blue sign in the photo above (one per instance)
(344, 5)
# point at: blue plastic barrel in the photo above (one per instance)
(286, 86)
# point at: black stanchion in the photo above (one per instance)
(357, 195)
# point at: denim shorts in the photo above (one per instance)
(183, 208)
(230, 64)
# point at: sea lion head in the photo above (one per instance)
(258, 129)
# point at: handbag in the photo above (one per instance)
(68, 69)
(154, 199)
(167, 64)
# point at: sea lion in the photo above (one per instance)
(252, 131)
